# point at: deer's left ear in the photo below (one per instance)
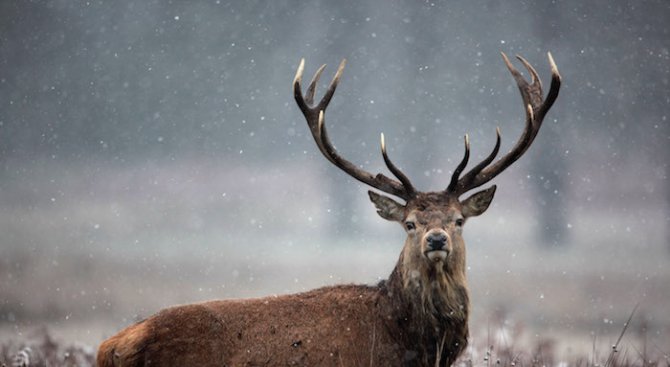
(478, 202)
(387, 208)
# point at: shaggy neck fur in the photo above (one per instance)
(430, 303)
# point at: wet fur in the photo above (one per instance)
(396, 323)
(438, 302)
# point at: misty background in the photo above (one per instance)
(151, 154)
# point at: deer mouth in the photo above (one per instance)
(436, 255)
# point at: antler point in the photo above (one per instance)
(508, 63)
(298, 73)
(552, 64)
(340, 70)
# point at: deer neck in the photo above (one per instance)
(430, 303)
(433, 290)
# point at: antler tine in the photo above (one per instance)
(534, 78)
(460, 167)
(395, 170)
(311, 114)
(314, 114)
(333, 85)
(553, 88)
(491, 156)
(297, 90)
(311, 90)
(468, 177)
(535, 109)
(521, 82)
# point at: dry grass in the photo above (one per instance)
(634, 351)
(545, 354)
(41, 349)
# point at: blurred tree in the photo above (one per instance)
(549, 165)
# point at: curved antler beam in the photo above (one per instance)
(314, 114)
(535, 109)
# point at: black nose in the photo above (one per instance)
(436, 241)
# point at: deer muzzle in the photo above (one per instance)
(437, 245)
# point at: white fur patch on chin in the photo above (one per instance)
(437, 256)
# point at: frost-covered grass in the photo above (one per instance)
(502, 345)
(545, 354)
(42, 349)
(502, 349)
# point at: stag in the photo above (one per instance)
(417, 317)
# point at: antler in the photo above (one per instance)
(314, 114)
(536, 108)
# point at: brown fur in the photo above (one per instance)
(330, 326)
(415, 317)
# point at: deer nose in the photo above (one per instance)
(436, 241)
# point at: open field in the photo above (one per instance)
(152, 154)
(89, 257)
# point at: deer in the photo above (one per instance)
(416, 317)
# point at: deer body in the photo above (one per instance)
(417, 317)
(346, 325)
(320, 327)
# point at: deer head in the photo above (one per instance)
(433, 220)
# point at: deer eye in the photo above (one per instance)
(459, 222)
(410, 226)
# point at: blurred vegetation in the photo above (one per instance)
(143, 143)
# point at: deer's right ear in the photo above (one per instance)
(387, 208)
